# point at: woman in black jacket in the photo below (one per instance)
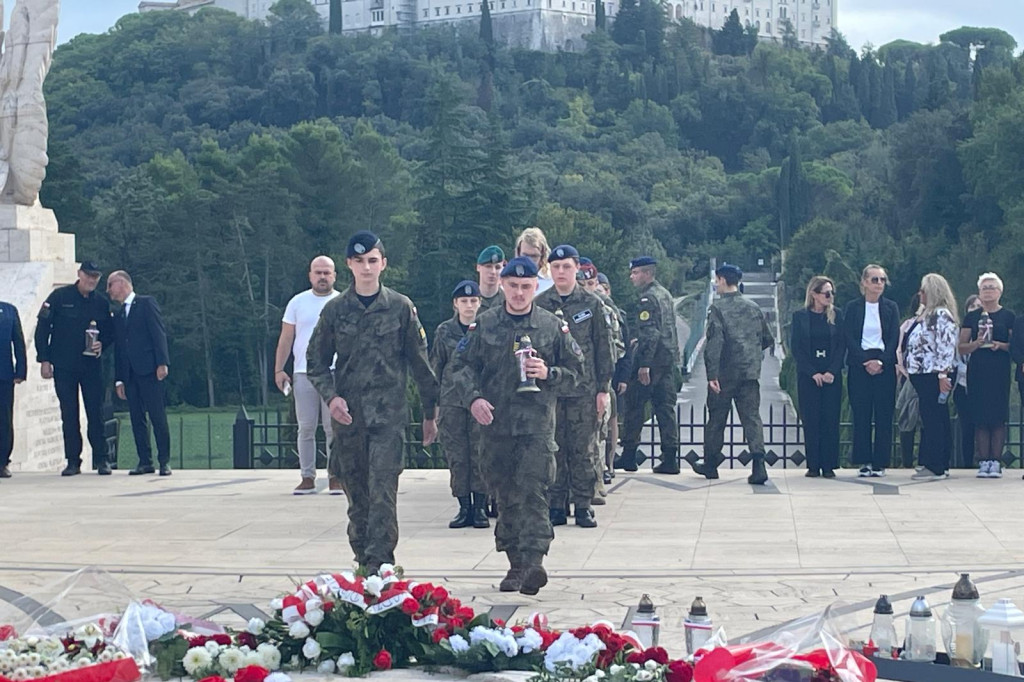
(818, 346)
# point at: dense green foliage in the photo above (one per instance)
(213, 157)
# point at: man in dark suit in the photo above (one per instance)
(872, 327)
(13, 370)
(140, 367)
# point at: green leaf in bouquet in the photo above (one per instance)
(332, 643)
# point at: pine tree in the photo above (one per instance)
(731, 39)
(628, 23)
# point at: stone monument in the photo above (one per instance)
(34, 257)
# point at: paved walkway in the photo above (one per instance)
(759, 557)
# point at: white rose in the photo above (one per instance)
(651, 665)
(326, 667)
(374, 585)
(298, 630)
(346, 661)
(32, 641)
(314, 617)
(213, 647)
(311, 649)
(615, 668)
(643, 676)
(277, 604)
(256, 626)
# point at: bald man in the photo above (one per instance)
(297, 325)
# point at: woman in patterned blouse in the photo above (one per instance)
(930, 356)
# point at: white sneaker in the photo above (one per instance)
(928, 475)
(877, 473)
(918, 469)
(864, 472)
(983, 469)
(995, 469)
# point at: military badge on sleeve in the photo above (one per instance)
(644, 316)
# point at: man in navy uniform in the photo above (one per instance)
(13, 369)
(61, 349)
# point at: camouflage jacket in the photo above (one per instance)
(656, 334)
(736, 336)
(589, 322)
(442, 350)
(377, 347)
(616, 323)
(486, 367)
(496, 301)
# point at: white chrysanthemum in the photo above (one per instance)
(326, 667)
(32, 641)
(196, 659)
(269, 655)
(231, 659)
(255, 658)
(298, 630)
(20, 675)
(22, 661)
(530, 640)
(105, 656)
(256, 626)
(277, 677)
(346, 661)
(83, 662)
(120, 655)
(314, 617)
(34, 659)
(311, 649)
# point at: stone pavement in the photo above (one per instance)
(201, 540)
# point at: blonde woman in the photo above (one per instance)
(930, 356)
(534, 245)
(819, 348)
(985, 335)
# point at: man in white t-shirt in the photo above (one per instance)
(297, 325)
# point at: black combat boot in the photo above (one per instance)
(557, 516)
(625, 461)
(479, 511)
(492, 507)
(669, 464)
(513, 580)
(534, 575)
(585, 517)
(464, 519)
(708, 467)
(758, 471)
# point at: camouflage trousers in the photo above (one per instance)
(603, 441)
(576, 437)
(747, 397)
(519, 471)
(460, 438)
(367, 462)
(661, 393)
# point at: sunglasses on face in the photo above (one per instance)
(826, 294)
(878, 280)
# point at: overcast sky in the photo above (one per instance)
(862, 21)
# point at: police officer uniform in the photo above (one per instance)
(60, 340)
(521, 438)
(458, 431)
(735, 339)
(577, 421)
(657, 348)
(378, 341)
(13, 367)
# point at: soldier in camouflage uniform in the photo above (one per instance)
(653, 377)
(488, 268)
(378, 340)
(621, 378)
(519, 427)
(737, 335)
(460, 434)
(579, 412)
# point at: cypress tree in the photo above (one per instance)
(334, 25)
(600, 20)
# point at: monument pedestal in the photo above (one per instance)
(34, 259)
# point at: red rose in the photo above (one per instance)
(382, 661)
(247, 639)
(401, 585)
(679, 671)
(410, 606)
(420, 591)
(456, 623)
(602, 630)
(223, 640)
(7, 632)
(439, 594)
(439, 634)
(465, 613)
(198, 640)
(213, 678)
(328, 605)
(635, 657)
(251, 673)
(656, 654)
(498, 623)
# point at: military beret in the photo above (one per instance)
(562, 252)
(585, 261)
(602, 278)
(492, 254)
(642, 261)
(588, 271)
(466, 287)
(362, 242)
(729, 269)
(90, 267)
(520, 266)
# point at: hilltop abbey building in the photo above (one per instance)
(548, 25)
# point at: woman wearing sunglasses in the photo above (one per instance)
(872, 327)
(818, 347)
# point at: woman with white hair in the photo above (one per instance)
(930, 356)
(985, 335)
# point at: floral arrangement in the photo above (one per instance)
(38, 658)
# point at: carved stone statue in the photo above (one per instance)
(28, 49)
